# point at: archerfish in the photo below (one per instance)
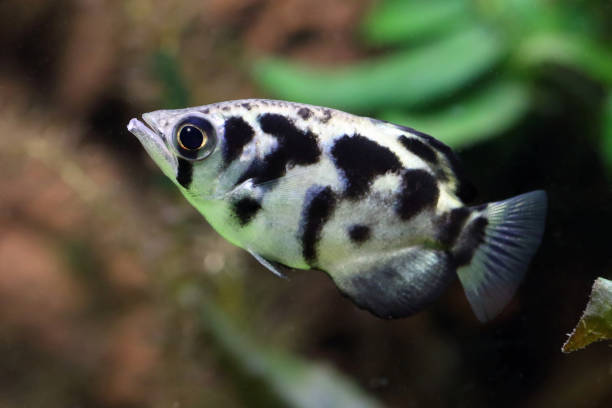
(378, 207)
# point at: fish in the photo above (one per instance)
(381, 208)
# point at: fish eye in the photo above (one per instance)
(191, 137)
(194, 138)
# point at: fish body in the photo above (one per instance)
(378, 206)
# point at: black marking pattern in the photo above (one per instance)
(315, 214)
(245, 210)
(465, 190)
(419, 190)
(361, 160)
(418, 148)
(470, 241)
(359, 233)
(184, 174)
(451, 224)
(327, 114)
(304, 113)
(295, 147)
(238, 133)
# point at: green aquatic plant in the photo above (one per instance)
(596, 321)
(406, 78)
(167, 70)
(463, 70)
(474, 118)
(607, 131)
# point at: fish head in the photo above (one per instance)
(184, 143)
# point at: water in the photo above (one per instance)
(114, 292)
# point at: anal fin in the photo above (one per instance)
(394, 284)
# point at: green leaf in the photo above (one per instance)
(398, 21)
(405, 79)
(570, 50)
(521, 17)
(482, 116)
(607, 132)
(167, 69)
(596, 322)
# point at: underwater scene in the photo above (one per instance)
(408, 203)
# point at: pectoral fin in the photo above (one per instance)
(272, 266)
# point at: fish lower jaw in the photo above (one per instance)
(155, 145)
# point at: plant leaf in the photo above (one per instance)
(472, 120)
(596, 322)
(409, 78)
(607, 132)
(394, 22)
(166, 68)
(570, 50)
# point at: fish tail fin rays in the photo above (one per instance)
(495, 249)
(396, 284)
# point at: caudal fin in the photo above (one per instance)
(499, 250)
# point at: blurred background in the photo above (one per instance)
(114, 292)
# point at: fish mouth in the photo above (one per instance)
(154, 143)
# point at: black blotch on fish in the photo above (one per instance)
(245, 209)
(465, 190)
(326, 116)
(359, 233)
(451, 225)
(470, 240)
(315, 214)
(184, 174)
(418, 148)
(246, 105)
(304, 113)
(295, 147)
(238, 133)
(419, 190)
(361, 160)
